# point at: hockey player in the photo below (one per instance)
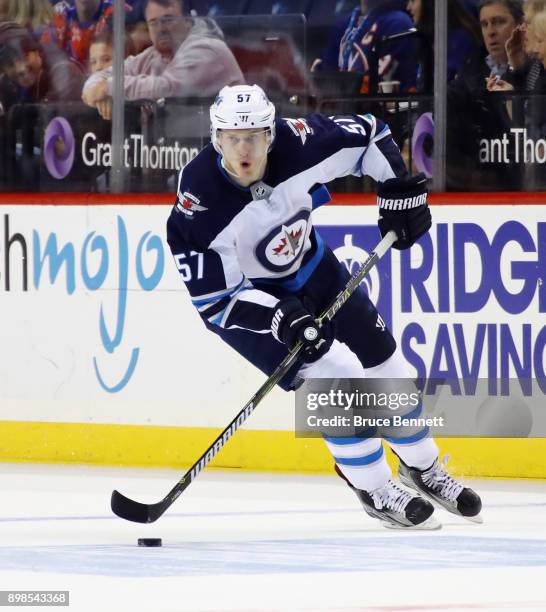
(257, 271)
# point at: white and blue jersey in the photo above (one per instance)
(240, 249)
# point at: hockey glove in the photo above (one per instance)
(403, 208)
(292, 323)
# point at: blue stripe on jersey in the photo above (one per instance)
(410, 439)
(372, 458)
(296, 283)
(384, 132)
(215, 307)
(217, 319)
(319, 196)
(217, 296)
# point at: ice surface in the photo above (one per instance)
(239, 541)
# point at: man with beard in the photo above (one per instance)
(188, 57)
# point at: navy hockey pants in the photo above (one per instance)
(355, 323)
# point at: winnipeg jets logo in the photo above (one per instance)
(188, 204)
(283, 246)
(289, 243)
(300, 128)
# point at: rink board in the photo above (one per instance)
(104, 359)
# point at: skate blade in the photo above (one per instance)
(474, 519)
(431, 524)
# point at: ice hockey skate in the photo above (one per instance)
(442, 489)
(395, 507)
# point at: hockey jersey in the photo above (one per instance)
(237, 247)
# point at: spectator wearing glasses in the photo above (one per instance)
(188, 57)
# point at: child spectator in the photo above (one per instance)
(101, 52)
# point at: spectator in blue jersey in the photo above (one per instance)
(258, 272)
(464, 37)
(358, 45)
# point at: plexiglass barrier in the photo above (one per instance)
(495, 141)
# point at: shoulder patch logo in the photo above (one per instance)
(300, 128)
(188, 204)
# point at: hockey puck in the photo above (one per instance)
(149, 542)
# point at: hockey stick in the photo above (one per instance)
(148, 513)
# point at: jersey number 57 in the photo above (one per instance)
(184, 262)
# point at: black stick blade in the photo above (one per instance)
(131, 510)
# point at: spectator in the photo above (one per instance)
(188, 58)
(473, 113)
(31, 14)
(136, 28)
(539, 32)
(357, 46)
(101, 51)
(464, 37)
(498, 21)
(37, 74)
(525, 66)
(75, 24)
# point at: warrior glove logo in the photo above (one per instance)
(402, 203)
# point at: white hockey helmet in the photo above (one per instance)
(241, 107)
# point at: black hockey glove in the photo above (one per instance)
(403, 208)
(292, 322)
